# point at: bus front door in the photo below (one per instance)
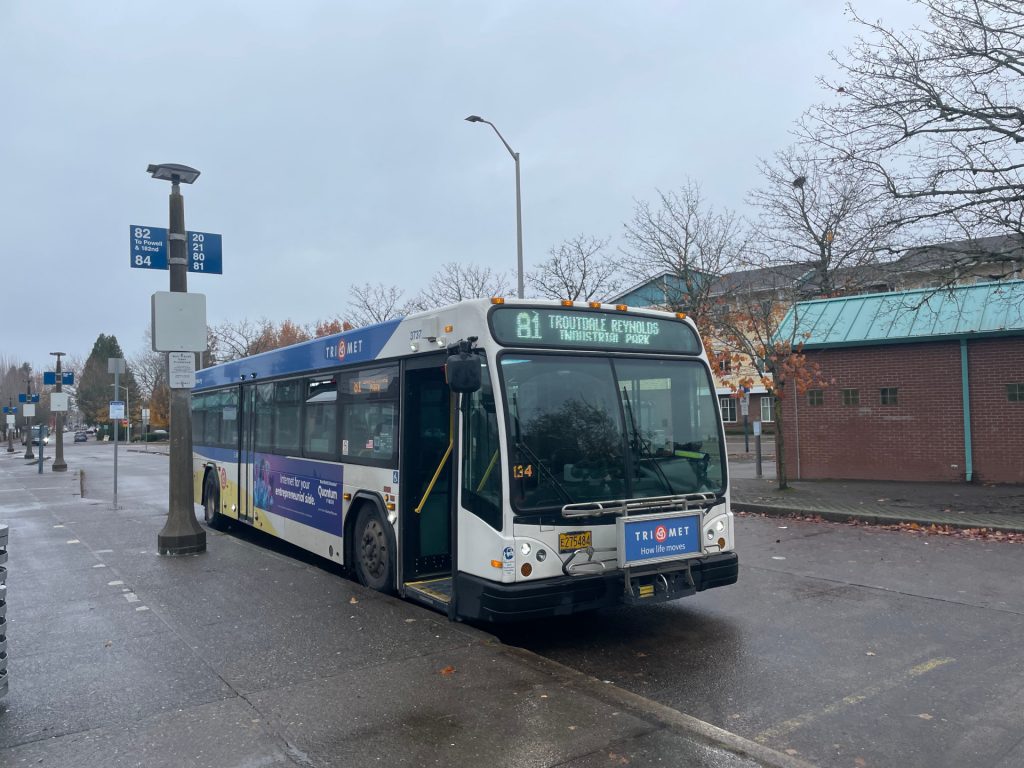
(426, 471)
(246, 456)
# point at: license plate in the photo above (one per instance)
(570, 542)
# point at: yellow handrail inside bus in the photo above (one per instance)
(487, 474)
(437, 474)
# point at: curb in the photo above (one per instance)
(835, 516)
(659, 713)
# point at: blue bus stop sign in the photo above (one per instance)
(150, 250)
(204, 250)
(149, 247)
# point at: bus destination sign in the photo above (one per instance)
(592, 329)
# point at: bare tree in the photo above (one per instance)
(685, 243)
(455, 282)
(242, 338)
(372, 303)
(936, 116)
(826, 220)
(579, 269)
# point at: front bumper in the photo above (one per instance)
(495, 602)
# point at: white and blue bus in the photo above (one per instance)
(495, 459)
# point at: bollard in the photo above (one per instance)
(757, 447)
(3, 610)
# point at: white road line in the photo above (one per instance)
(788, 726)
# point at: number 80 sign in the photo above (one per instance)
(149, 250)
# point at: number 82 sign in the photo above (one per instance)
(149, 250)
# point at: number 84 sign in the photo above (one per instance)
(149, 250)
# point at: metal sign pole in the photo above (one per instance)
(117, 389)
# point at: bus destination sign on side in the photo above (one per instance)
(149, 250)
(589, 329)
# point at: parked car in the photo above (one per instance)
(35, 435)
(155, 435)
(81, 437)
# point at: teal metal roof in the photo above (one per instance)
(928, 314)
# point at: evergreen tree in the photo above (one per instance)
(96, 386)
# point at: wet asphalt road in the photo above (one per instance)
(845, 646)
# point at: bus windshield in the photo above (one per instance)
(596, 429)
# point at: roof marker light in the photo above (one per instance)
(497, 300)
(622, 307)
(595, 305)
(681, 315)
(566, 302)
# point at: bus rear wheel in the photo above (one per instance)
(372, 551)
(211, 503)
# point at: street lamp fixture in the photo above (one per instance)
(173, 172)
(181, 534)
(519, 206)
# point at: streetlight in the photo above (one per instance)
(10, 432)
(59, 465)
(28, 422)
(519, 206)
(181, 535)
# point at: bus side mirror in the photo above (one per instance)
(463, 372)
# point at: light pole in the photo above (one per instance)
(181, 535)
(59, 465)
(519, 205)
(28, 422)
(10, 432)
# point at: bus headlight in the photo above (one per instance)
(716, 532)
(525, 548)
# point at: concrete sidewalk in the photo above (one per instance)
(255, 655)
(995, 507)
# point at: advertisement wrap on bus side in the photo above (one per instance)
(284, 487)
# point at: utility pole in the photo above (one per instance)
(59, 465)
(10, 426)
(182, 534)
(28, 421)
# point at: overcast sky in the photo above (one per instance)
(332, 146)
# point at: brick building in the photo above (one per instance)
(921, 385)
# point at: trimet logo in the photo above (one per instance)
(662, 533)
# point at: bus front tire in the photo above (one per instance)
(372, 551)
(211, 503)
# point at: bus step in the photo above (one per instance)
(658, 586)
(436, 593)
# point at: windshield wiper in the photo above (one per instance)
(638, 444)
(541, 466)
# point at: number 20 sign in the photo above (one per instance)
(149, 250)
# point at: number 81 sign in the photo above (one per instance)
(149, 250)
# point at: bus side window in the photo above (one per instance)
(369, 416)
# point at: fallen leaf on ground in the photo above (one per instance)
(925, 716)
(448, 671)
(353, 600)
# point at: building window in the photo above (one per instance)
(815, 397)
(889, 396)
(728, 405)
(725, 366)
(851, 397)
(767, 406)
(1015, 393)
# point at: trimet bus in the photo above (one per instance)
(493, 459)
